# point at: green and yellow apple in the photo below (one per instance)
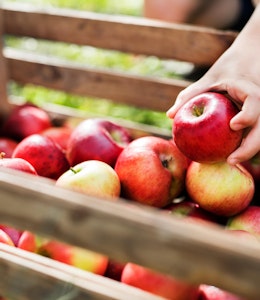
(220, 188)
(92, 177)
(78, 257)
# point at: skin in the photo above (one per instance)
(236, 73)
(213, 13)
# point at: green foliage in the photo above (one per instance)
(93, 57)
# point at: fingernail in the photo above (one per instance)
(232, 161)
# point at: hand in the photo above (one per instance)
(237, 74)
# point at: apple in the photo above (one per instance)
(47, 157)
(78, 257)
(248, 220)
(114, 270)
(18, 164)
(157, 283)
(190, 209)
(59, 135)
(209, 292)
(253, 167)
(220, 188)
(97, 139)
(151, 171)
(92, 177)
(7, 146)
(243, 235)
(25, 120)
(5, 238)
(22, 239)
(201, 128)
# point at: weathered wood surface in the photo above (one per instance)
(128, 34)
(5, 107)
(144, 92)
(27, 275)
(127, 232)
(122, 230)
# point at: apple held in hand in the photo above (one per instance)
(92, 177)
(158, 283)
(97, 139)
(151, 171)
(248, 220)
(220, 188)
(78, 257)
(201, 128)
(25, 120)
(43, 154)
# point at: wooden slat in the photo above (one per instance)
(5, 107)
(128, 34)
(144, 92)
(128, 232)
(27, 275)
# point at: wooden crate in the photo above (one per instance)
(124, 231)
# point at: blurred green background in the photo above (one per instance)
(94, 57)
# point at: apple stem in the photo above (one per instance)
(2, 155)
(165, 163)
(198, 110)
(73, 170)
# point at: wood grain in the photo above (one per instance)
(30, 276)
(127, 232)
(128, 34)
(143, 92)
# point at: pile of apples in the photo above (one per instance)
(186, 175)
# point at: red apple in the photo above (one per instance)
(220, 188)
(158, 283)
(243, 235)
(60, 135)
(78, 257)
(97, 139)
(22, 239)
(25, 120)
(92, 177)
(114, 270)
(209, 292)
(7, 146)
(253, 167)
(19, 164)
(5, 238)
(248, 220)
(201, 128)
(190, 209)
(47, 157)
(151, 171)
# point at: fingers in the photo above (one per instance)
(184, 96)
(249, 147)
(248, 117)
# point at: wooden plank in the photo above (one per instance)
(144, 92)
(5, 107)
(128, 232)
(128, 34)
(27, 275)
